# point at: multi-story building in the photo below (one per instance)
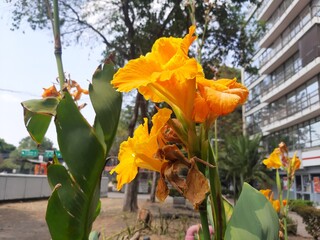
(284, 100)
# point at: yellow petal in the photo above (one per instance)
(273, 161)
(140, 150)
(136, 73)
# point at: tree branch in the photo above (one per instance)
(104, 39)
(166, 21)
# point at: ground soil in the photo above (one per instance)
(26, 221)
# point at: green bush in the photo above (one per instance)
(311, 217)
(297, 203)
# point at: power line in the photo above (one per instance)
(18, 92)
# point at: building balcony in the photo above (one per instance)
(267, 8)
(277, 56)
(282, 22)
(304, 114)
(289, 84)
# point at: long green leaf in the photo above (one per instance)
(253, 217)
(106, 102)
(85, 157)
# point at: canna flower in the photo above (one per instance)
(275, 203)
(294, 165)
(140, 150)
(216, 98)
(50, 92)
(274, 160)
(79, 91)
(166, 74)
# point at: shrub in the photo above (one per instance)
(311, 217)
(297, 203)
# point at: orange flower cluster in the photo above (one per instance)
(168, 74)
(275, 203)
(73, 87)
(279, 158)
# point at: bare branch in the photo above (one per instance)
(88, 25)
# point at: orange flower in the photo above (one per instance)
(140, 150)
(166, 74)
(50, 92)
(216, 98)
(274, 160)
(275, 203)
(294, 165)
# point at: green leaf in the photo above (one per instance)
(42, 106)
(79, 193)
(106, 102)
(58, 218)
(37, 116)
(94, 235)
(78, 143)
(253, 217)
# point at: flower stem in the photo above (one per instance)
(204, 220)
(285, 209)
(218, 210)
(57, 44)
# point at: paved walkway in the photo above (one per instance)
(301, 230)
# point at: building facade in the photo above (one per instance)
(284, 100)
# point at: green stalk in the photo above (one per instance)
(201, 150)
(285, 210)
(204, 220)
(219, 216)
(57, 44)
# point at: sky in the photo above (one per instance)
(27, 64)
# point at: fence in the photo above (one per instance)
(25, 186)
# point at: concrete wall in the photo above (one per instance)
(25, 186)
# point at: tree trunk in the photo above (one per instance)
(130, 202)
(155, 177)
(131, 196)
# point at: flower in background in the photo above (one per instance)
(274, 160)
(275, 203)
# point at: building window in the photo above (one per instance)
(315, 133)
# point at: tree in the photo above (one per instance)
(28, 143)
(5, 149)
(129, 28)
(242, 162)
(13, 161)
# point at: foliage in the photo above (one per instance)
(297, 203)
(13, 158)
(5, 150)
(8, 165)
(253, 217)
(242, 162)
(311, 217)
(5, 147)
(74, 203)
(29, 143)
(135, 25)
(128, 28)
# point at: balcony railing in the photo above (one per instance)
(306, 102)
(284, 76)
(283, 41)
